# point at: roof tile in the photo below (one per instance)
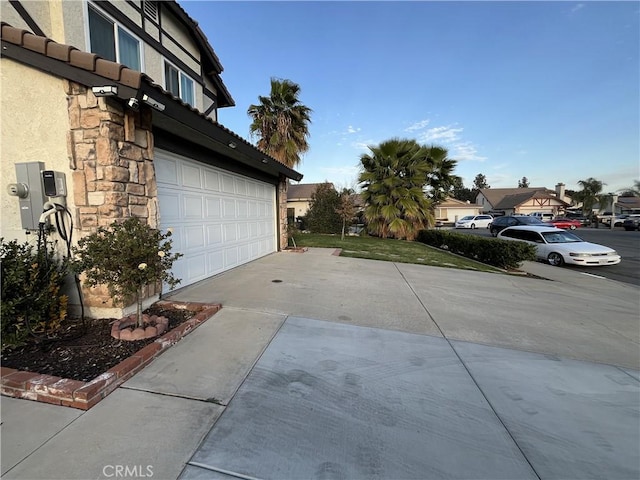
(59, 51)
(35, 43)
(84, 60)
(12, 35)
(108, 69)
(130, 78)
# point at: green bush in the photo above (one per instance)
(499, 253)
(126, 257)
(322, 216)
(32, 304)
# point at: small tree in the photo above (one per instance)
(346, 208)
(524, 183)
(126, 257)
(480, 182)
(322, 216)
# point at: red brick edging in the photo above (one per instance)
(84, 395)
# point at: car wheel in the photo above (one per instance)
(555, 259)
(473, 226)
(494, 232)
(572, 227)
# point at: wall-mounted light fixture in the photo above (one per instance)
(232, 145)
(106, 91)
(152, 102)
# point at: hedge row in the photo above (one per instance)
(499, 253)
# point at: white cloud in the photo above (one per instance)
(417, 126)
(465, 151)
(443, 134)
(577, 7)
(351, 129)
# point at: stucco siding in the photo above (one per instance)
(179, 36)
(301, 207)
(34, 134)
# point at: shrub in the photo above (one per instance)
(322, 216)
(126, 257)
(32, 303)
(499, 253)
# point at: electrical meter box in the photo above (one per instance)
(30, 174)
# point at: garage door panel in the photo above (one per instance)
(167, 171)
(194, 237)
(214, 235)
(211, 181)
(191, 176)
(216, 261)
(170, 207)
(193, 208)
(220, 219)
(230, 257)
(213, 208)
(196, 267)
(228, 184)
(230, 233)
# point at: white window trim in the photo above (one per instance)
(180, 74)
(87, 33)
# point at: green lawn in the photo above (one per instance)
(390, 250)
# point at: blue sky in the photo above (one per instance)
(546, 90)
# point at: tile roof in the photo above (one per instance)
(72, 56)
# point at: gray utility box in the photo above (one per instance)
(30, 174)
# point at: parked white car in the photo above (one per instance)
(558, 246)
(474, 221)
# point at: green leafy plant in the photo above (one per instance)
(126, 257)
(32, 303)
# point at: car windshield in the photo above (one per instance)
(468, 217)
(561, 237)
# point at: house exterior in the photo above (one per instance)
(523, 201)
(299, 198)
(137, 141)
(452, 210)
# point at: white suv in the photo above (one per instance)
(544, 216)
(474, 221)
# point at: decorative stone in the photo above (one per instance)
(154, 326)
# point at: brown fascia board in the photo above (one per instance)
(190, 123)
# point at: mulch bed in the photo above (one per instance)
(83, 354)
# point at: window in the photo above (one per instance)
(111, 41)
(179, 84)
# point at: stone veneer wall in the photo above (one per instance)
(282, 212)
(113, 177)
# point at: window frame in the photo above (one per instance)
(181, 75)
(116, 40)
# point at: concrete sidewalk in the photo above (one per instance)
(325, 367)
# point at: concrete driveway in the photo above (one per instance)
(385, 370)
(326, 367)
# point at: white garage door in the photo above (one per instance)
(219, 219)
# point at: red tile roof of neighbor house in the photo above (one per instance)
(106, 69)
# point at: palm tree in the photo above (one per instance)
(394, 175)
(441, 178)
(281, 122)
(590, 194)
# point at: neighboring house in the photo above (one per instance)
(523, 201)
(135, 147)
(452, 209)
(627, 205)
(299, 198)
